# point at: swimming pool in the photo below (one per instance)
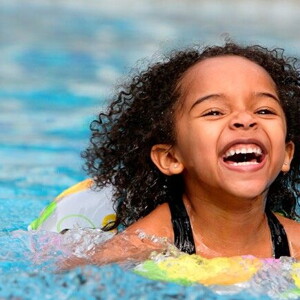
(59, 62)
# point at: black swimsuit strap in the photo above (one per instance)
(278, 235)
(183, 235)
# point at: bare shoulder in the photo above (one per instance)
(157, 223)
(292, 229)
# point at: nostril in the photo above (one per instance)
(238, 125)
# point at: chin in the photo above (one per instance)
(249, 191)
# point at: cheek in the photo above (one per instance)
(281, 153)
(197, 147)
(278, 143)
(278, 134)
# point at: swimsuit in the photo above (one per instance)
(183, 235)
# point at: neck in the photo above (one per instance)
(229, 226)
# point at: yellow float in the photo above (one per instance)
(188, 269)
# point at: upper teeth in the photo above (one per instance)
(243, 150)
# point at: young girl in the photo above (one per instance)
(203, 149)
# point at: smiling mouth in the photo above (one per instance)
(244, 155)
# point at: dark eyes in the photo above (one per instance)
(265, 111)
(212, 113)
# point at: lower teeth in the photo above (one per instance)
(245, 163)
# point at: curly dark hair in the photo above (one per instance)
(142, 115)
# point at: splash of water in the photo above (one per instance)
(29, 262)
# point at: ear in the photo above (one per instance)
(289, 154)
(163, 156)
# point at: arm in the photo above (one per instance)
(136, 243)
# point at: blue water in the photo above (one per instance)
(59, 62)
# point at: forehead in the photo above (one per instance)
(218, 70)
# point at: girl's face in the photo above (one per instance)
(230, 128)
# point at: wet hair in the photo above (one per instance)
(142, 114)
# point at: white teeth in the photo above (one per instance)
(231, 152)
(243, 150)
(245, 163)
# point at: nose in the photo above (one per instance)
(243, 120)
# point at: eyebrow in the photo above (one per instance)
(200, 100)
(263, 94)
(260, 94)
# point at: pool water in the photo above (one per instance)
(59, 62)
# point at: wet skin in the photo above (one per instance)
(228, 105)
